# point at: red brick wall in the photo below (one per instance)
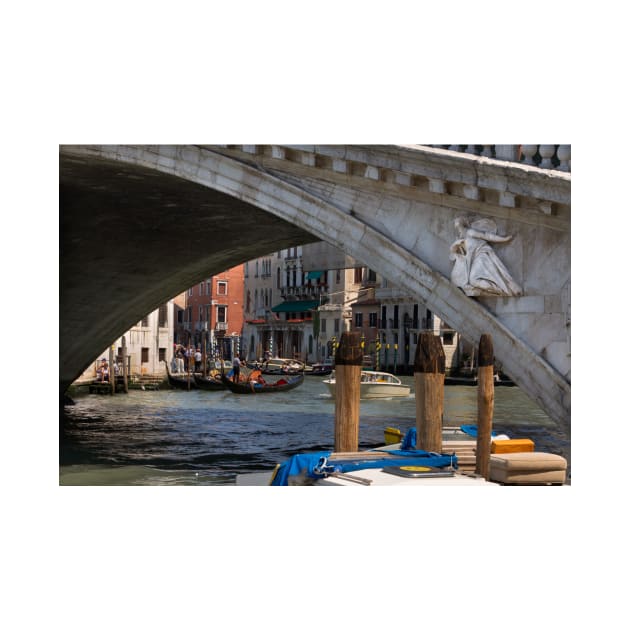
(232, 300)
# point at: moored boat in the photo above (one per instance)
(254, 386)
(279, 365)
(471, 381)
(375, 385)
(210, 382)
(180, 381)
(386, 466)
(321, 369)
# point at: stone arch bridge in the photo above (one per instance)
(139, 224)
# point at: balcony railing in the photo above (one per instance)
(304, 290)
(550, 156)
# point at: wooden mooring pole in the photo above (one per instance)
(429, 368)
(204, 358)
(189, 359)
(124, 365)
(111, 374)
(485, 404)
(348, 362)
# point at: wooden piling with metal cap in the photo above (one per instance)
(429, 369)
(485, 404)
(348, 363)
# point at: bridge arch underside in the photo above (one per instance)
(131, 239)
(137, 230)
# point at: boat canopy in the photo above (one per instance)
(297, 306)
(316, 465)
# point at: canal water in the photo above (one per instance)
(171, 437)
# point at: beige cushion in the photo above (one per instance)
(528, 468)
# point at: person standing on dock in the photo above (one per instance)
(198, 360)
(180, 361)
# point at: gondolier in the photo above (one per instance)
(236, 369)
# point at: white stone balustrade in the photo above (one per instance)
(548, 156)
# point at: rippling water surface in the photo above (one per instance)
(172, 437)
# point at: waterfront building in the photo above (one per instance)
(335, 312)
(294, 313)
(279, 301)
(214, 306)
(390, 323)
(259, 288)
(148, 344)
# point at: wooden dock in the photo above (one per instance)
(148, 383)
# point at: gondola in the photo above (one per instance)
(499, 381)
(280, 366)
(460, 380)
(320, 369)
(209, 382)
(251, 387)
(180, 382)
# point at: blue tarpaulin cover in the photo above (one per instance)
(409, 441)
(306, 463)
(471, 429)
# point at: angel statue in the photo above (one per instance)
(477, 269)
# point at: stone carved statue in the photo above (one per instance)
(477, 269)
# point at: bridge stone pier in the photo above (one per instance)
(139, 224)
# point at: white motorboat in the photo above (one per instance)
(386, 466)
(375, 385)
(401, 464)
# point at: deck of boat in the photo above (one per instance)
(378, 477)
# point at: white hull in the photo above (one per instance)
(375, 477)
(377, 391)
(376, 385)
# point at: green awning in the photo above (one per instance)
(314, 275)
(295, 307)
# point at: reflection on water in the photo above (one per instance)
(205, 438)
